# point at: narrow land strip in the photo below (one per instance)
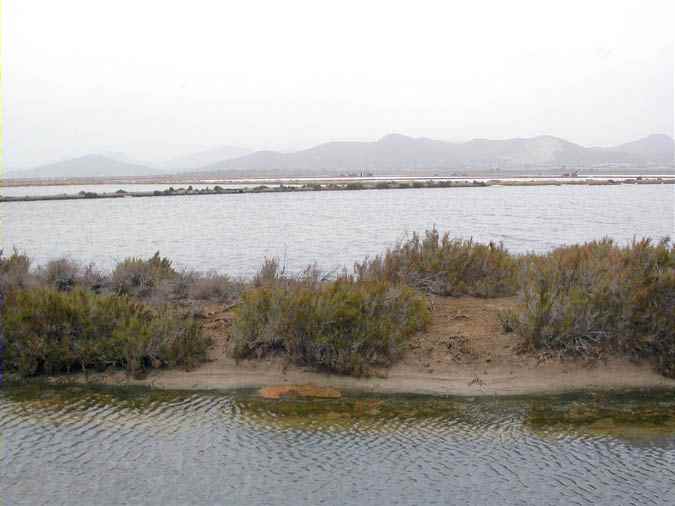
(332, 186)
(464, 352)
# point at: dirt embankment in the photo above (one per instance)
(464, 352)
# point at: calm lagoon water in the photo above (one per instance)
(234, 233)
(99, 447)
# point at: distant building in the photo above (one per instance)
(357, 174)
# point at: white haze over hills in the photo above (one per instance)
(85, 166)
(116, 164)
(82, 77)
(393, 153)
(203, 158)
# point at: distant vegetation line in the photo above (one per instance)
(313, 187)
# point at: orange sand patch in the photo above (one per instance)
(310, 391)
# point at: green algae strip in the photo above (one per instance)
(629, 415)
(136, 397)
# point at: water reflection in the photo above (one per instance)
(234, 233)
(104, 446)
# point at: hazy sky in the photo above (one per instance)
(157, 78)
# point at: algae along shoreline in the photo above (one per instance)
(630, 415)
(431, 315)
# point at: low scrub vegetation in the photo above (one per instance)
(345, 325)
(214, 287)
(50, 331)
(444, 266)
(15, 272)
(62, 316)
(138, 277)
(65, 274)
(154, 280)
(599, 297)
(586, 300)
(354, 186)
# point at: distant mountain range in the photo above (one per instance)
(393, 153)
(397, 152)
(85, 166)
(115, 164)
(655, 147)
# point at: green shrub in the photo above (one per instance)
(47, 331)
(269, 273)
(214, 287)
(15, 272)
(445, 266)
(155, 281)
(344, 326)
(384, 185)
(61, 274)
(65, 274)
(354, 186)
(138, 277)
(584, 299)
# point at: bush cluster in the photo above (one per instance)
(138, 277)
(581, 300)
(15, 272)
(444, 266)
(214, 287)
(154, 280)
(599, 296)
(63, 316)
(345, 325)
(50, 331)
(354, 186)
(65, 274)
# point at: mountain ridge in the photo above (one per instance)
(93, 165)
(400, 152)
(393, 153)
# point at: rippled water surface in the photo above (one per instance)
(83, 446)
(233, 233)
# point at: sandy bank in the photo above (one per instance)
(464, 352)
(462, 380)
